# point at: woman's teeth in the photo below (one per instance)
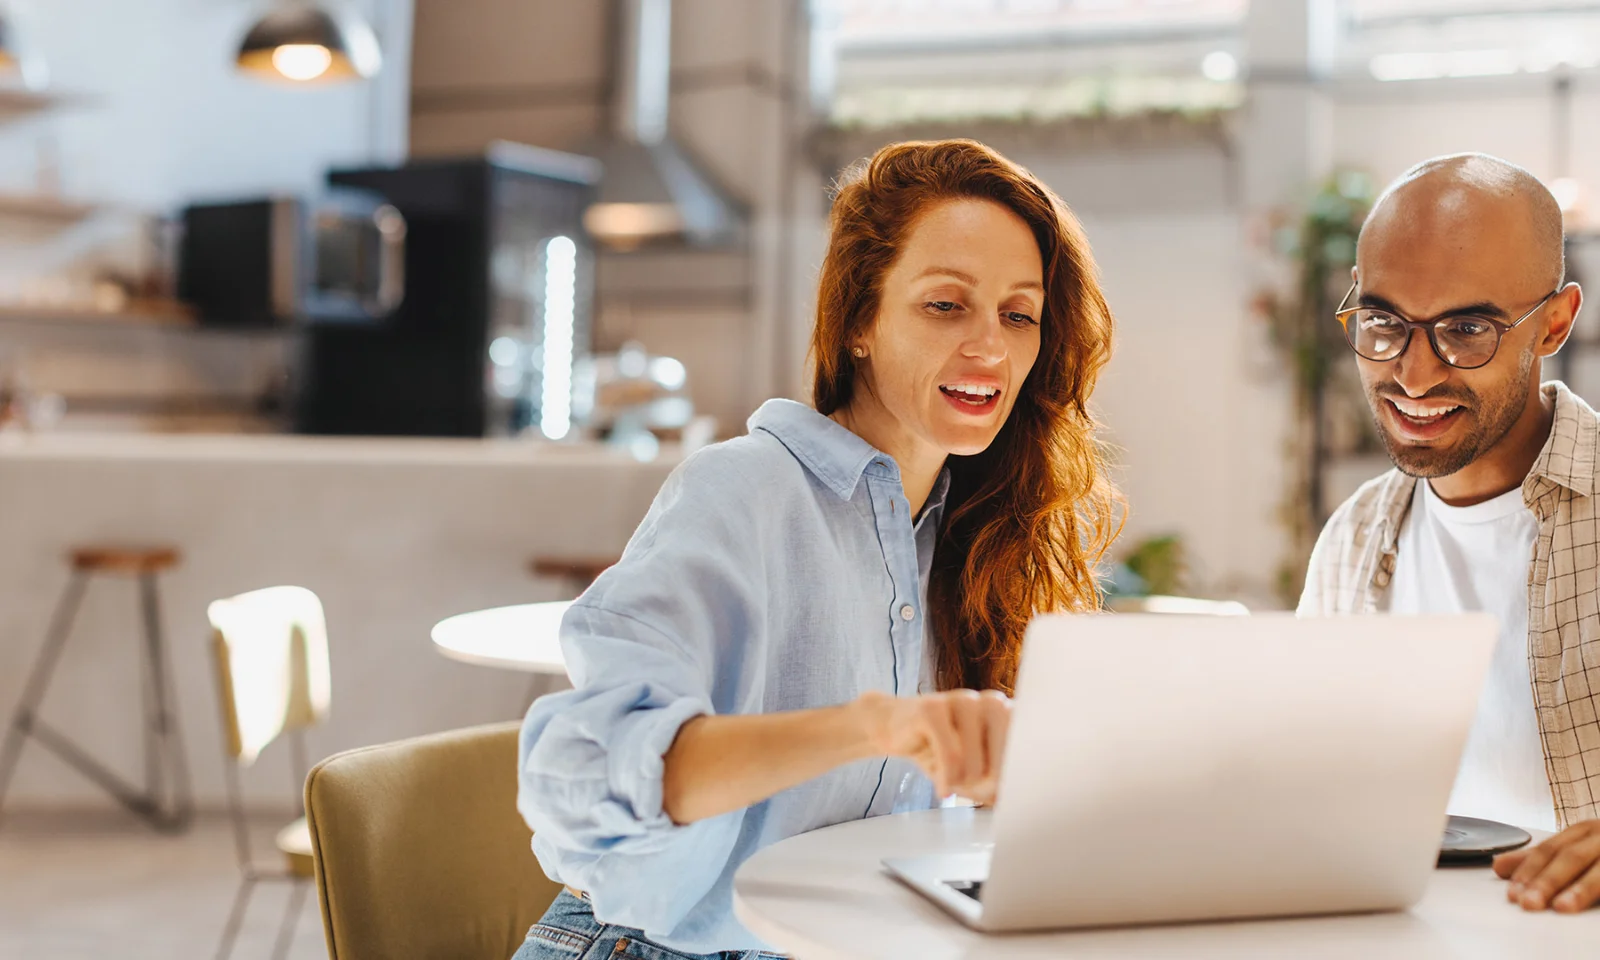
(981, 393)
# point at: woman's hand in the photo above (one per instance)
(719, 764)
(957, 737)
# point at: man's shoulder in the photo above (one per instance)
(1331, 585)
(1372, 500)
(1571, 454)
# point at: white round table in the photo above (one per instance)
(824, 896)
(524, 637)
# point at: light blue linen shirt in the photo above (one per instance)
(778, 571)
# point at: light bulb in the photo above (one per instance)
(302, 61)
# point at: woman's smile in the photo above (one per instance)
(973, 396)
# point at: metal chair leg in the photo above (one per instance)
(230, 930)
(22, 721)
(291, 917)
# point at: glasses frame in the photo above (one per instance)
(1501, 328)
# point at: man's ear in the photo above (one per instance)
(1355, 274)
(1560, 314)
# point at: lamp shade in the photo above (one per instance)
(9, 60)
(16, 64)
(305, 43)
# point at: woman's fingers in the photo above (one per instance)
(938, 714)
(997, 725)
(957, 737)
(965, 709)
(979, 723)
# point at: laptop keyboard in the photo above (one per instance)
(971, 888)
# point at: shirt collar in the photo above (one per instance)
(936, 497)
(835, 455)
(1568, 455)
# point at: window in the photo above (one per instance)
(965, 22)
(1399, 40)
(888, 62)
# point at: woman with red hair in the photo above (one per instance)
(821, 620)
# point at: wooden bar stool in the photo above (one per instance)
(166, 801)
(576, 572)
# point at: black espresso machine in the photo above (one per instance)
(481, 334)
(497, 306)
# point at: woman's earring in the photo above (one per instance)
(858, 352)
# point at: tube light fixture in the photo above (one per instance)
(560, 305)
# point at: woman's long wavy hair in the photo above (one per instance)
(1026, 520)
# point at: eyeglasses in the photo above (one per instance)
(1465, 342)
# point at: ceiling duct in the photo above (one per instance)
(651, 192)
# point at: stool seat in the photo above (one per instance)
(130, 560)
(582, 571)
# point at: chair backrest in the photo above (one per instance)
(271, 653)
(420, 851)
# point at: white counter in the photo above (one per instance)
(393, 534)
(243, 448)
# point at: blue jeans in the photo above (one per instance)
(569, 931)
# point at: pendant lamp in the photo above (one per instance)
(304, 42)
(17, 68)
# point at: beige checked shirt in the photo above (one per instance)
(1354, 561)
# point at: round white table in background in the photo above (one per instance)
(824, 896)
(524, 637)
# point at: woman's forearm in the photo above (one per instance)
(720, 764)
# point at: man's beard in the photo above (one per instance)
(1492, 418)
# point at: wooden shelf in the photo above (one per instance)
(16, 104)
(42, 207)
(136, 314)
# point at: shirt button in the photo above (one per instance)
(907, 613)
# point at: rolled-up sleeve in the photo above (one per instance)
(642, 646)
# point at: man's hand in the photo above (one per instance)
(1562, 873)
(958, 737)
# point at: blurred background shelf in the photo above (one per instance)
(17, 104)
(149, 313)
(44, 207)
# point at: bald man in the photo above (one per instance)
(1459, 296)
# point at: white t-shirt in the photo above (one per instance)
(1463, 559)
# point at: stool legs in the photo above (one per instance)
(22, 722)
(166, 802)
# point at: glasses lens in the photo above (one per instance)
(1375, 335)
(1467, 341)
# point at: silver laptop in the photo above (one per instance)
(1170, 768)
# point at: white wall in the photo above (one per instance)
(163, 116)
(1386, 128)
(1189, 399)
